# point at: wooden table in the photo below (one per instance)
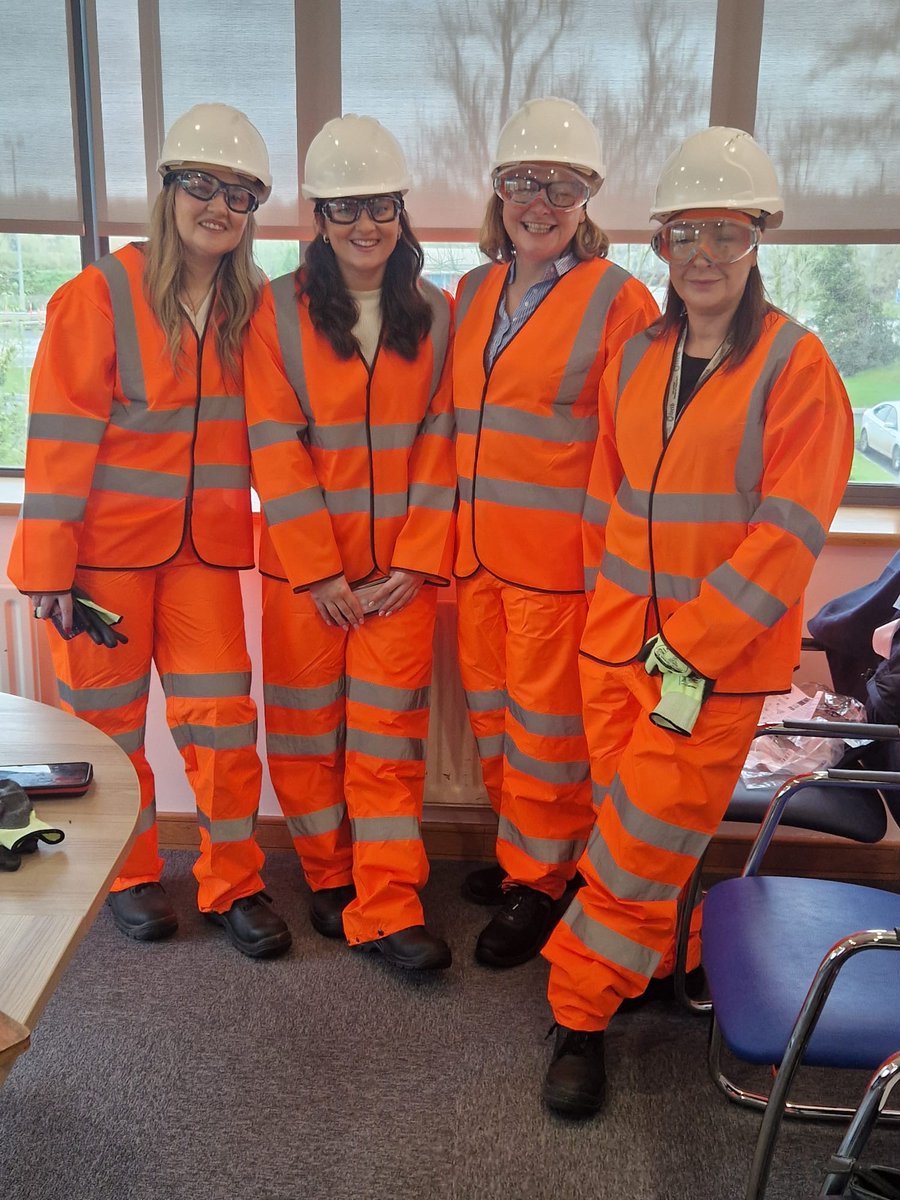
(48, 905)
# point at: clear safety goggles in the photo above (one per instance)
(721, 241)
(521, 184)
(347, 210)
(204, 186)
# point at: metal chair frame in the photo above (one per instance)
(874, 1100)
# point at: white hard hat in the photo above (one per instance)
(550, 130)
(719, 168)
(218, 135)
(353, 156)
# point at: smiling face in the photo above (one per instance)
(361, 249)
(711, 290)
(208, 229)
(539, 232)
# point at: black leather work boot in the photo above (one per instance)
(326, 909)
(143, 912)
(485, 885)
(575, 1084)
(517, 932)
(254, 927)
(413, 949)
(664, 990)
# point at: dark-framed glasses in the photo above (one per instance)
(721, 241)
(204, 186)
(518, 185)
(347, 210)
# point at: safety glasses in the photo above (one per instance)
(518, 185)
(203, 186)
(721, 241)
(346, 211)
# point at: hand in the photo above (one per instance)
(336, 603)
(395, 593)
(44, 605)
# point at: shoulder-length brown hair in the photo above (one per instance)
(238, 284)
(406, 315)
(589, 241)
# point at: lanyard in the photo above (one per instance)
(675, 377)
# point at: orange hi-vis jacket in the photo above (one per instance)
(711, 536)
(127, 456)
(526, 427)
(353, 464)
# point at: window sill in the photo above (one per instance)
(854, 525)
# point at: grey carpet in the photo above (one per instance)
(183, 1071)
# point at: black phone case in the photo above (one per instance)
(50, 780)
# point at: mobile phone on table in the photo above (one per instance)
(51, 781)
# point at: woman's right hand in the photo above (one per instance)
(336, 603)
(46, 604)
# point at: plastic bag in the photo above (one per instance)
(778, 758)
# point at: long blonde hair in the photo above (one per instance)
(238, 284)
(589, 241)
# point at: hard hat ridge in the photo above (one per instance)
(353, 156)
(217, 135)
(550, 129)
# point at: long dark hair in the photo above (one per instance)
(405, 313)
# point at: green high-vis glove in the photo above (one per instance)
(682, 692)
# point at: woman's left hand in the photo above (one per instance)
(395, 593)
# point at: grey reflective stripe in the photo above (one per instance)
(485, 700)
(471, 282)
(608, 944)
(596, 512)
(273, 433)
(749, 465)
(131, 741)
(146, 818)
(218, 475)
(102, 698)
(551, 851)
(749, 597)
(351, 436)
(560, 773)
(297, 504)
(222, 408)
(313, 824)
(391, 699)
(793, 518)
(391, 504)
(655, 832)
(547, 724)
(530, 495)
(304, 699)
(202, 686)
(632, 353)
(215, 737)
(351, 500)
(590, 578)
(637, 582)
(696, 507)
(491, 745)
(306, 745)
(128, 348)
(284, 293)
(87, 431)
(467, 420)
(132, 482)
(40, 506)
(440, 329)
(385, 829)
(560, 427)
(438, 424)
(589, 337)
(622, 883)
(383, 745)
(464, 486)
(136, 416)
(236, 829)
(433, 496)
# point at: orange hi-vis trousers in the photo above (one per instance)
(659, 798)
(518, 656)
(188, 619)
(346, 728)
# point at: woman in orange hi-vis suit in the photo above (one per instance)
(351, 432)
(725, 444)
(535, 329)
(137, 494)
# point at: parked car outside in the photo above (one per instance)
(880, 431)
